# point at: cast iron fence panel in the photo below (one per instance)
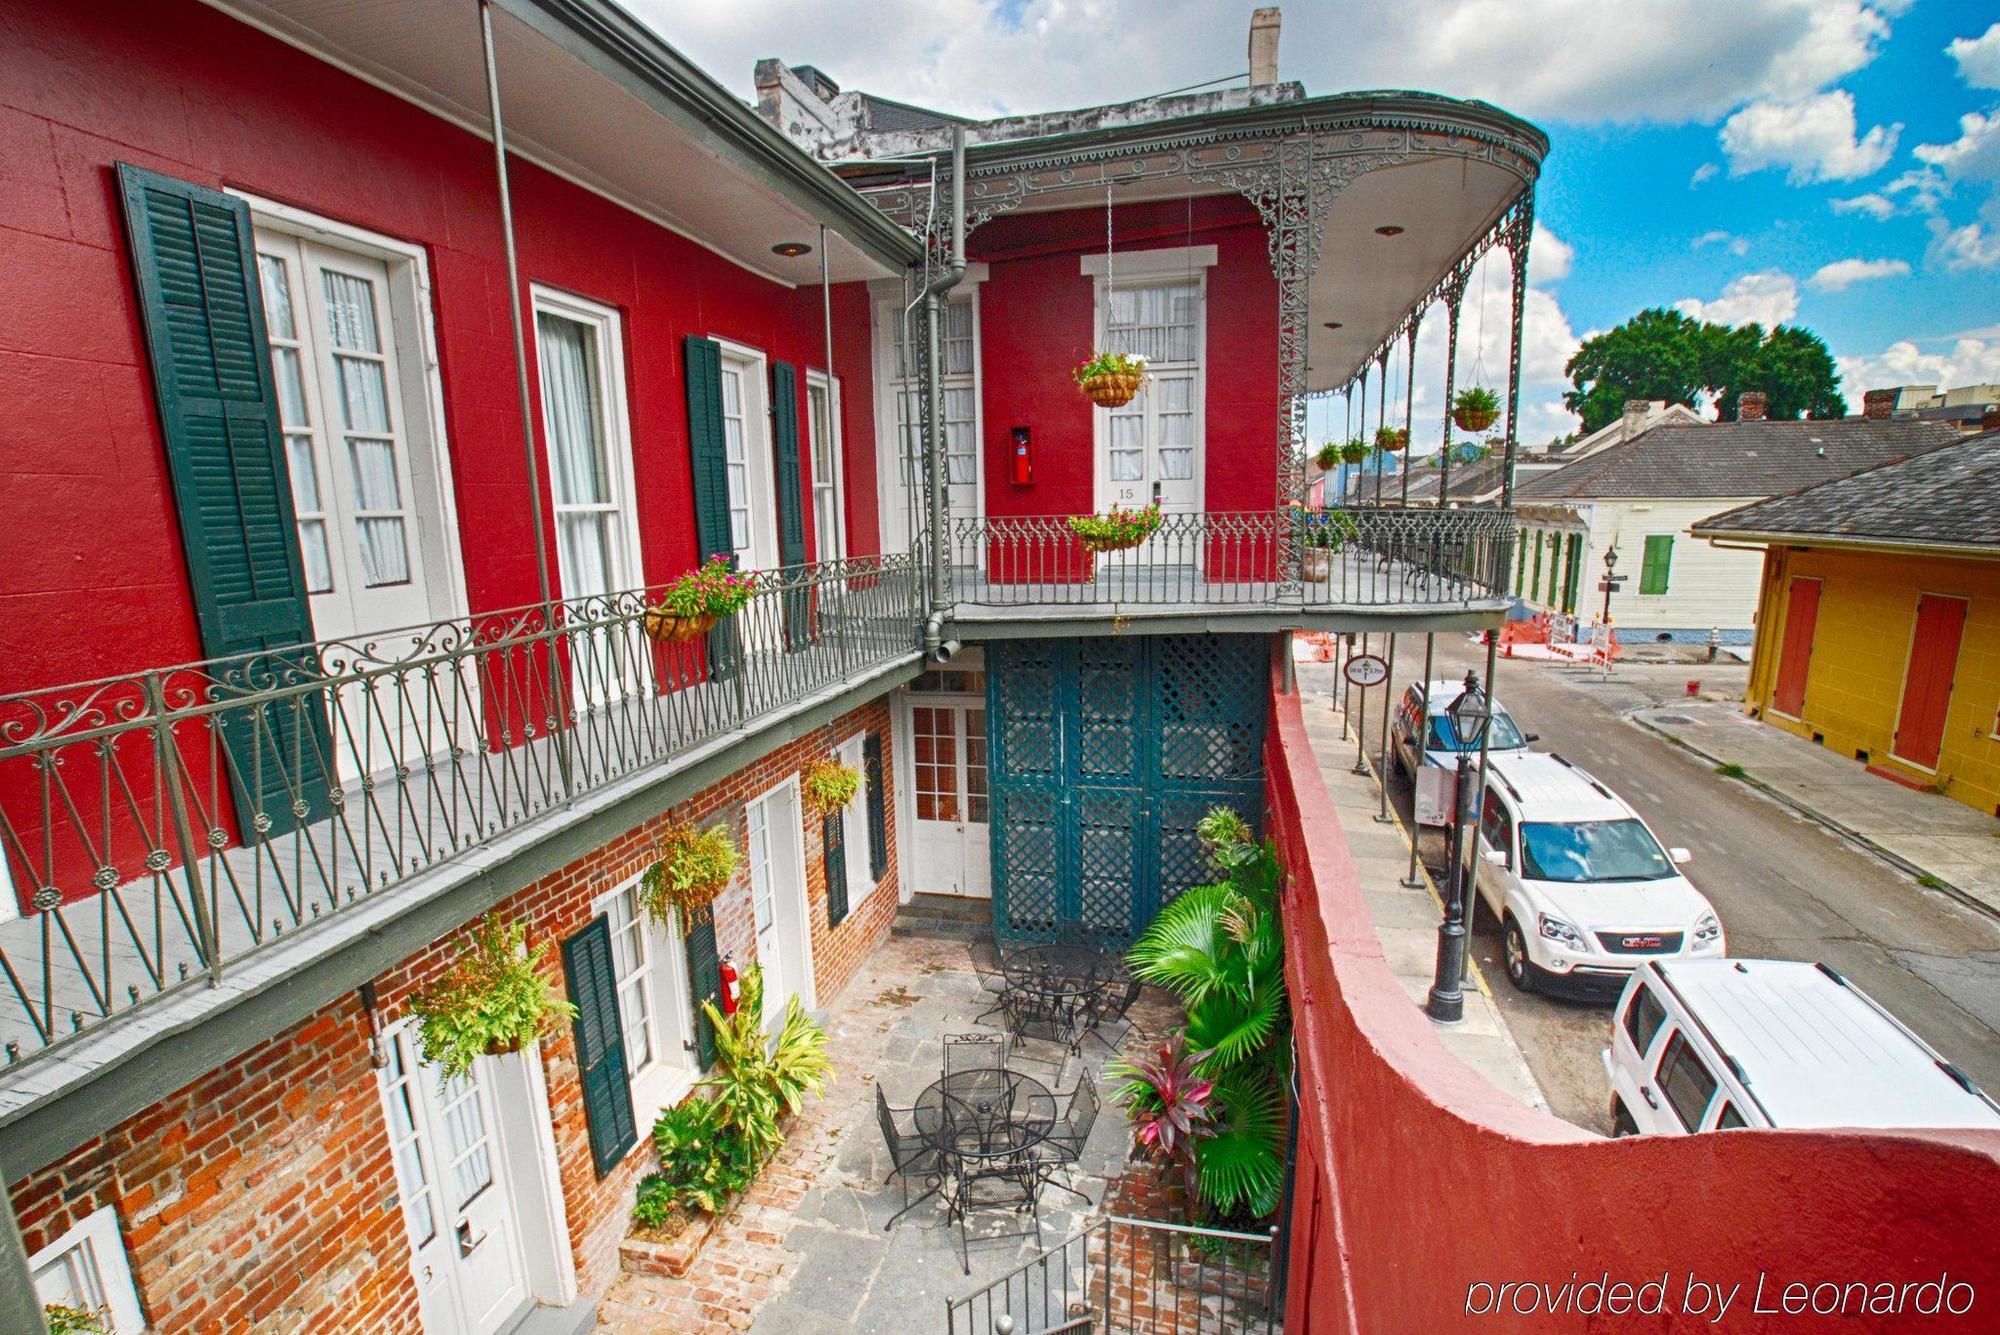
(1106, 753)
(1278, 560)
(161, 826)
(1121, 1275)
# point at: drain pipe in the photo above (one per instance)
(934, 461)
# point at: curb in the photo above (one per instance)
(1915, 871)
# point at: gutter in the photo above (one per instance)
(1971, 551)
(603, 36)
(938, 490)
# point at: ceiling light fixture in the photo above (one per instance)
(1333, 324)
(791, 250)
(1389, 229)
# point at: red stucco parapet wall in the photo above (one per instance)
(1418, 1180)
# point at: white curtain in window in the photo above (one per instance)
(572, 418)
(1156, 322)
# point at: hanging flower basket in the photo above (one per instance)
(1391, 438)
(829, 785)
(1112, 379)
(1115, 532)
(1475, 409)
(1354, 451)
(692, 868)
(493, 1001)
(1328, 457)
(692, 604)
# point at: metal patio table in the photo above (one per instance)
(986, 1126)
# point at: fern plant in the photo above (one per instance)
(830, 785)
(66, 1320)
(493, 1000)
(691, 870)
(703, 1164)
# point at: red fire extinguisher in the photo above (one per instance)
(727, 973)
(1024, 458)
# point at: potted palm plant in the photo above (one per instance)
(494, 1000)
(1475, 409)
(691, 869)
(1111, 379)
(692, 604)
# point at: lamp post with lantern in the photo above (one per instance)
(1468, 717)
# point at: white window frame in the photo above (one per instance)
(1147, 268)
(761, 481)
(858, 838)
(413, 325)
(887, 300)
(99, 1242)
(829, 386)
(659, 1084)
(607, 325)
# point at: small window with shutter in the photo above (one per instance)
(600, 1045)
(833, 843)
(1658, 559)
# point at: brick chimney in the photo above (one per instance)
(1878, 404)
(1263, 47)
(1750, 405)
(1636, 411)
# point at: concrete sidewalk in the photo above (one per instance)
(1944, 844)
(1406, 919)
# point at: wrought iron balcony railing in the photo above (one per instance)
(1284, 560)
(160, 826)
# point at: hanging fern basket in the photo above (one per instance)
(664, 627)
(1111, 391)
(692, 869)
(1474, 419)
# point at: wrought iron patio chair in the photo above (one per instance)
(987, 962)
(910, 1155)
(1044, 1017)
(1063, 1149)
(1110, 1007)
(969, 1052)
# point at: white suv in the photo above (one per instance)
(1713, 1045)
(1584, 891)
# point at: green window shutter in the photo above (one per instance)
(878, 806)
(600, 1045)
(1521, 565)
(1573, 572)
(195, 266)
(791, 509)
(1535, 579)
(833, 840)
(1659, 557)
(709, 456)
(704, 985)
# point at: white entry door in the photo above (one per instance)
(775, 851)
(949, 748)
(465, 1249)
(1151, 449)
(902, 475)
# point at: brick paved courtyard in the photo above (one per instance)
(805, 1251)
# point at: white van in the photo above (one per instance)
(1583, 890)
(1712, 1045)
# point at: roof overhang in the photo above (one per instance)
(1850, 542)
(1444, 172)
(593, 95)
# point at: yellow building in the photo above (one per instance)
(1878, 617)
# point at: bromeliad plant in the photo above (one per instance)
(1220, 949)
(1114, 532)
(692, 604)
(830, 785)
(493, 1000)
(761, 1079)
(691, 869)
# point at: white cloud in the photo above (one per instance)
(1768, 297)
(1735, 244)
(1978, 58)
(1813, 139)
(1706, 172)
(1974, 155)
(1663, 61)
(1878, 207)
(1962, 249)
(1550, 258)
(1843, 274)
(1925, 186)
(1971, 361)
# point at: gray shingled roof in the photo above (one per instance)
(1725, 459)
(1947, 497)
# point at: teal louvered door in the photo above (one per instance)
(833, 845)
(708, 455)
(790, 476)
(704, 971)
(1105, 753)
(194, 264)
(600, 1045)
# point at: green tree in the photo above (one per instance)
(1654, 355)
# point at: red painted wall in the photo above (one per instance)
(1418, 1180)
(87, 529)
(1036, 326)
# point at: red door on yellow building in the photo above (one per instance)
(1927, 683)
(1788, 697)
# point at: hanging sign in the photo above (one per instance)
(1365, 670)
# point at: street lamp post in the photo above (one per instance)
(1468, 716)
(1610, 580)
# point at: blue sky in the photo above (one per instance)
(1825, 162)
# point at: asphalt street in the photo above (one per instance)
(1784, 886)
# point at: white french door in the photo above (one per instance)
(746, 440)
(465, 1248)
(828, 474)
(958, 357)
(1150, 450)
(948, 745)
(775, 851)
(580, 360)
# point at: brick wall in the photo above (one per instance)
(263, 1195)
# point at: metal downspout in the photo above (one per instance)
(939, 491)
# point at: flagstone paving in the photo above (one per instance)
(805, 1250)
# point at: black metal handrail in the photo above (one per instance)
(1285, 560)
(159, 826)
